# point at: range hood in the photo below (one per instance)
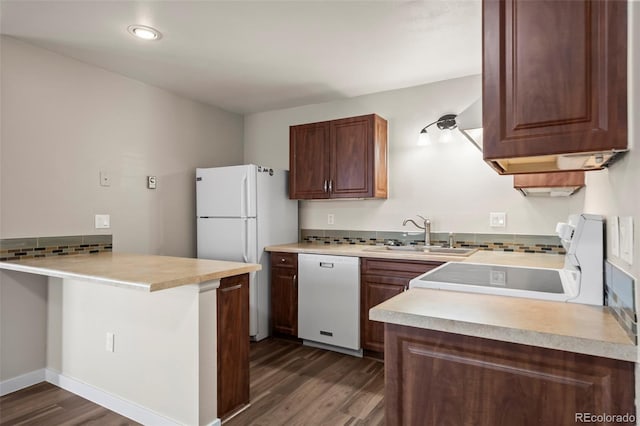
(549, 184)
(470, 125)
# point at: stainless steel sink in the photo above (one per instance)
(397, 248)
(450, 250)
(453, 251)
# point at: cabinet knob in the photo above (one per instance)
(283, 260)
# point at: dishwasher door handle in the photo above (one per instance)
(326, 264)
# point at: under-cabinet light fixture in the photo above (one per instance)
(446, 122)
(144, 32)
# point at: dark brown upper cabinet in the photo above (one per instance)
(554, 84)
(345, 158)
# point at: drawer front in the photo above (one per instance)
(284, 260)
(234, 281)
(397, 268)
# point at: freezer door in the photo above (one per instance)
(226, 191)
(231, 239)
(235, 240)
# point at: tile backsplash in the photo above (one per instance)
(496, 242)
(29, 248)
(619, 289)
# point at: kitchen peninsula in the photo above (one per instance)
(162, 318)
(490, 354)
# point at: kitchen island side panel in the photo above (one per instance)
(159, 339)
(23, 324)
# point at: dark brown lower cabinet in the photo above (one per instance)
(380, 280)
(284, 294)
(436, 378)
(233, 343)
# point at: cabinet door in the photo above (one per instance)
(284, 300)
(233, 343)
(352, 155)
(554, 77)
(381, 279)
(309, 162)
(437, 378)
(375, 290)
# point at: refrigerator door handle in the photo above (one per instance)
(247, 198)
(243, 197)
(245, 245)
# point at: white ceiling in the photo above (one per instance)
(249, 56)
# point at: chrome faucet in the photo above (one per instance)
(426, 225)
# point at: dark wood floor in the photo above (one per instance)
(291, 384)
(45, 404)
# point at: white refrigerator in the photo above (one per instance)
(240, 210)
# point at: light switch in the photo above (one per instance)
(626, 239)
(105, 178)
(151, 182)
(331, 219)
(614, 233)
(103, 221)
(110, 347)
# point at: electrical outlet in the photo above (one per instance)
(331, 219)
(497, 219)
(110, 347)
(498, 278)
(103, 221)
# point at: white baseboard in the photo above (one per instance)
(107, 400)
(21, 382)
(98, 396)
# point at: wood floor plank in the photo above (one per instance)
(364, 401)
(329, 402)
(307, 386)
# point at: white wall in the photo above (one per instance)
(63, 121)
(23, 323)
(615, 191)
(449, 183)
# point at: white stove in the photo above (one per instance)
(579, 281)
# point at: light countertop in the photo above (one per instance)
(143, 272)
(569, 327)
(539, 260)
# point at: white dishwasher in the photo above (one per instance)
(329, 301)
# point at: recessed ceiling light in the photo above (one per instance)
(144, 32)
